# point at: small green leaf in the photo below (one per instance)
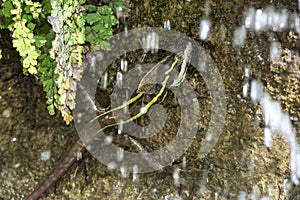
(39, 40)
(98, 28)
(27, 17)
(42, 70)
(105, 45)
(7, 7)
(92, 18)
(91, 8)
(51, 109)
(27, 9)
(31, 26)
(81, 1)
(32, 70)
(104, 10)
(47, 6)
(90, 37)
(88, 29)
(113, 20)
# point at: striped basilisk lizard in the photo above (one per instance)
(181, 59)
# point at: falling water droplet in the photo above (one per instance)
(295, 23)
(119, 79)
(268, 137)
(275, 52)
(108, 139)
(120, 127)
(261, 20)
(125, 109)
(256, 91)
(269, 19)
(277, 120)
(184, 162)
(249, 19)
(143, 110)
(167, 25)
(216, 195)
(204, 29)
(247, 72)
(246, 85)
(239, 36)
(176, 176)
(112, 165)
(79, 116)
(126, 30)
(123, 171)
(245, 89)
(124, 64)
(150, 42)
(134, 172)
(120, 154)
(126, 94)
(118, 187)
(45, 155)
(79, 155)
(17, 165)
(154, 43)
(93, 61)
(208, 137)
(298, 164)
(119, 12)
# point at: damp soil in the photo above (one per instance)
(239, 161)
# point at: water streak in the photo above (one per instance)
(135, 170)
(204, 28)
(275, 51)
(151, 42)
(239, 36)
(176, 176)
(120, 154)
(123, 171)
(119, 79)
(124, 65)
(271, 19)
(277, 121)
(167, 25)
(120, 127)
